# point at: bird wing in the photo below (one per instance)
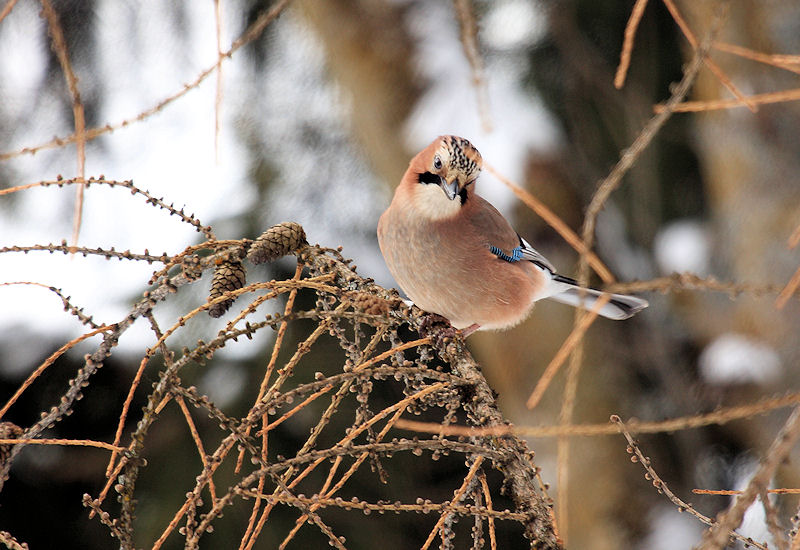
(530, 253)
(497, 232)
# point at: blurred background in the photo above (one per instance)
(315, 120)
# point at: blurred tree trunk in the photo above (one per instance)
(751, 163)
(369, 54)
(751, 169)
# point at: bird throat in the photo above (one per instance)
(431, 203)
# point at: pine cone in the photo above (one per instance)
(277, 241)
(228, 275)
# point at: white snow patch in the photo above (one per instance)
(735, 358)
(670, 529)
(513, 24)
(24, 56)
(754, 523)
(170, 154)
(683, 245)
(223, 384)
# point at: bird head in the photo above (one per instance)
(451, 163)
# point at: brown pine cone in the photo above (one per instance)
(277, 241)
(228, 275)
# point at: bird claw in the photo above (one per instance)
(438, 329)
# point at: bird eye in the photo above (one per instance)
(437, 162)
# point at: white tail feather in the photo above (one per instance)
(619, 306)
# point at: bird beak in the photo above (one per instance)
(450, 189)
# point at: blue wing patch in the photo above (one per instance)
(516, 254)
(523, 252)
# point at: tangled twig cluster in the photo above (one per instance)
(364, 319)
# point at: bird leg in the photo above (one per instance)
(469, 330)
(440, 331)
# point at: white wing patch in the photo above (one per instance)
(530, 253)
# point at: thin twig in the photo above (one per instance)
(469, 42)
(111, 479)
(137, 378)
(661, 487)
(794, 239)
(717, 104)
(787, 62)
(68, 306)
(6, 537)
(718, 72)
(197, 441)
(731, 518)
(7, 9)
(276, 347)
(488, 496)
(564, 419)
(632, 153)
(725, 492)
(718, 417)
(457, 496)
(572, 341)
(627, 45)
(59, 46)
(250, 34)
(360, 505)
(68, 442)
(788, 291)
(773, 524)
(49, 361)
(218, 94)
(128, 184)
(554, 221)
(692, 281)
